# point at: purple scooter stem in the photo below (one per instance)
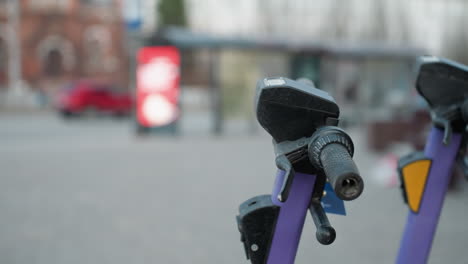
(420, 228)
(291, 217)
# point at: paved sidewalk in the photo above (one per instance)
(91, 192)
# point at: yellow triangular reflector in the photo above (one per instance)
(415, 178)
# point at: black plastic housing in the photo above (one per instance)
(289, 110)
(441, 82)
(256, 222)
(444, 85)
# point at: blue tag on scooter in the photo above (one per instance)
(331, 203)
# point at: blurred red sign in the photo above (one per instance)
(158, 75)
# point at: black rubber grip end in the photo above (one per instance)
(325, 235)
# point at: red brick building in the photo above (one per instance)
(66, 39)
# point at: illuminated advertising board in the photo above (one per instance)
(158, 76)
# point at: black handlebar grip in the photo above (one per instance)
(341, 171)
(331, 149)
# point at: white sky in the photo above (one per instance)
(427, 22)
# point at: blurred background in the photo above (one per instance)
(84, 180)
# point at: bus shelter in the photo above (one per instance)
(370, 82)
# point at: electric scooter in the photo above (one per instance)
(425, 176)
(316, 171)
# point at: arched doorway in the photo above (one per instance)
(56, 59)
(53, 64)
(56, 55)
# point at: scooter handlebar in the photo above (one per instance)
(331, 149)
(341, 171)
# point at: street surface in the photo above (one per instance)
(90, 191)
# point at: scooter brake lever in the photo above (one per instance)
(288, 153)
(283, 163)
(445, 123)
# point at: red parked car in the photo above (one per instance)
(84, 95)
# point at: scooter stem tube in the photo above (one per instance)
(291, 217)
(420, 227)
